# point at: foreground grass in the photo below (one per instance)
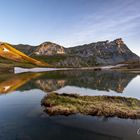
(107, 106)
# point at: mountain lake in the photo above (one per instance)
(22, 117)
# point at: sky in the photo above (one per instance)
(70, 22)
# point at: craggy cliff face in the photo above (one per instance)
(49, 48)
(103, 52)
(88, 55)
(106, 52)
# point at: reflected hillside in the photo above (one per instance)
(100, 80)
(11, 82)
(55, 80)
(50, 85)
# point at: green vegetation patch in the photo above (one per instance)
(50, 59)
(108, 106)
(5, 63)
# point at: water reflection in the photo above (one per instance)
(22, 117)
(99, 128)
(55, 80)
(101, 80)
(13, 82)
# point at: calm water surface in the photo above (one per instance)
(23, 118)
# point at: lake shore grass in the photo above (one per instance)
(108, 106)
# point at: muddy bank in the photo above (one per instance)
(6, 70)
(107, 106)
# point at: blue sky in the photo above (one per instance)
(70, 22)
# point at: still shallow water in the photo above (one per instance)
(22, 117)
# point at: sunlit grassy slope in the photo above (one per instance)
(8, 52)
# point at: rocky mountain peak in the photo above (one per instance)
(47, 43)
(49, 48)
(119, 41)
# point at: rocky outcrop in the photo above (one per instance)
(48, 48)
(105, 52)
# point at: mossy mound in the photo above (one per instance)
(107, 106)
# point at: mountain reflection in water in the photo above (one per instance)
(55, 80)
(13, 82)
(101, 80)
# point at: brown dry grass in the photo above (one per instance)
(107, 106)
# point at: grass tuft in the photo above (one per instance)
(108, 106)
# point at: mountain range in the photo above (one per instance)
(54, 55)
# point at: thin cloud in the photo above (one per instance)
(109, 24)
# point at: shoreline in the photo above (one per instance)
(38, 69)
(119, 67)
